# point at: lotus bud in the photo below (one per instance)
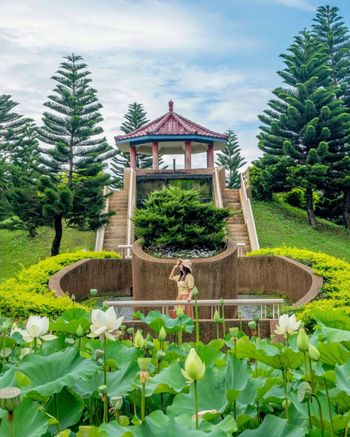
(179, 311)
(116, 402)
(162, 334)
(130, 331)
(139, 341)
(105, 305)
(216, 317)
(93, 292)
(252, 325)
(195, 292)
(10, 398)
(304, 392)
(234, 331)
(222, 301)
(160, 354)
(73, 297)
(79, 331)
(144, 375)
(194, 367)
(102, 389)
(314, 353)
(122, 328)
(302, 341)
(144, 363)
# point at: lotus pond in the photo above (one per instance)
(85, 374)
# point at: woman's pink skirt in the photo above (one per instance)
(188, 309)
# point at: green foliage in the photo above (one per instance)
(335, 292)
(244, 391)
(28, 292)
(230, 158)
(175, 217)
(75, 154)
(296, 197)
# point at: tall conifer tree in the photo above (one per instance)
(305, 118)
(230, 158)
(77, 153)
(330, 30)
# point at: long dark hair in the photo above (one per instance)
(183, 273)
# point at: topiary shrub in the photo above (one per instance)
(175, 217)
(28, 292)
(335, 292)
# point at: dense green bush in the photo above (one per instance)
(176, 217)
(296, 197)
(335, 292)
(28, 292)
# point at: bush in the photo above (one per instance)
(335, 292)
(175, 217)
(296, 197)
(28, 292)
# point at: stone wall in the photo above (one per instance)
(215, 277)
(108, 276)
(278, 274)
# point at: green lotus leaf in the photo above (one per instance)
(49, 374)
(29, 421)
(333, 319)
(276, 427)
(168, 380)
(159, 424)
(67, 407)
(70, 320)
(343, 377)
(333, 353)
(156, 320)
(211, 394)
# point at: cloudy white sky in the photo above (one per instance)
(217, 59)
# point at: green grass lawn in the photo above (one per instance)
(278, 223)
(17, 249)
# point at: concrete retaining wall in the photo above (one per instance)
(109, 276)
(278, 274)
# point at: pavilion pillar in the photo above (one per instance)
(133, 160)
(188, 154)
(210, 155)
(155, 155)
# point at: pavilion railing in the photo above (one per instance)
(248, 215)
(268, 308)
(100, 234)
(131, 210)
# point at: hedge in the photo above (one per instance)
(28, 292)
(335, 292)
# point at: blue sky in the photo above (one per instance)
(217, 59)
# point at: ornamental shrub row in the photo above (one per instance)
(28, 292)
(335, 292)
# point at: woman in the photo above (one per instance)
(185, 284)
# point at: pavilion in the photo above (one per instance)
(171, 134)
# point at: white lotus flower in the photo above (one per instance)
(104, 323)
(36, 327)
(287, 325)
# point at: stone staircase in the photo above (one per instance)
(116, 229)
(237, 228)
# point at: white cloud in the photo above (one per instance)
(299, 4)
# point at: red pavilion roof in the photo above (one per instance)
(171, 123)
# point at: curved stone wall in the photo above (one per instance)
(215, 277)
(108, 276)
(278, 274)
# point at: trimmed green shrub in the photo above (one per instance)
(335, 292)
(28, 292)
(176, 217)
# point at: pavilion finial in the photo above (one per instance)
(171, 105)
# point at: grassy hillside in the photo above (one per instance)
(17, 250)
(278, 223)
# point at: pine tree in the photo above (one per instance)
(330, 30)
(75, 153)
(230, 158)
(306, 119)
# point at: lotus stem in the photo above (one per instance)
(311, 375)
(285, 393)
(196, 402)
(143, 396)
(179, 335)
(35, 344)
(105, 398)
(309, 413)
(305, 366)
(217, 331)
(223, 319)
(10, 420)
(320, 412)
(329, 408)
(197, 323)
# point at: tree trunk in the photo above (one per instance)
(310, 208)
(55, 248)
(32, 232)
(346, 210)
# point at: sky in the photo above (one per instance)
(216, 59)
